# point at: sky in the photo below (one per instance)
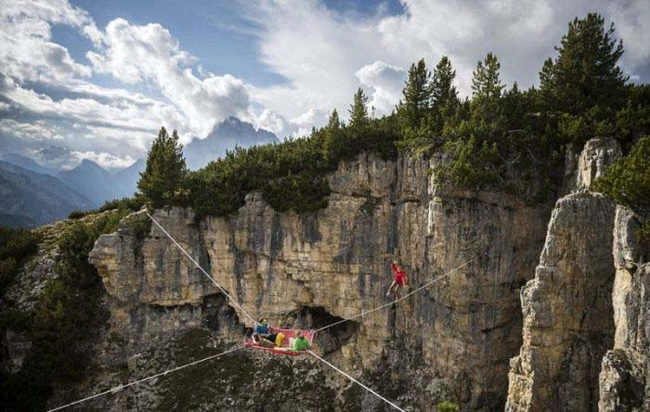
(100, 78)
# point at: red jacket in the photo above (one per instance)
(400, 275)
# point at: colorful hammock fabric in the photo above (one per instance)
(285, 349)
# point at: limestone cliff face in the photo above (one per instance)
(568, 314)
(625, 375)
(568, 319)
(311, 269)
(583, 170)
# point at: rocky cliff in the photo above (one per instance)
(568, 319)
(582, 303)
(625, 373)
(549, 312)
(310, 270)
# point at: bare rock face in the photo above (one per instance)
(312, 269)
(567, 311)
(625, 374)
(154, 291)
(165, 277)
(568, 314)
(596, 156)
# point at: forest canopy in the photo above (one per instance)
(501, 138)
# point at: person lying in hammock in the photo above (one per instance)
(262, 333)
(269, 341)
(399, 281)
(299, 343)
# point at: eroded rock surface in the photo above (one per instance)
(567, 307)
(597, 154)
(568, 317)
(335, 263)
(625, 375)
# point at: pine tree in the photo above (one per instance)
(161, 182)
(417, 96)
(333, 143)
(486, 87)
(444, 96)
(359, 110)
(486, 84)
(585, 73)
(334, 123)
(443, 90)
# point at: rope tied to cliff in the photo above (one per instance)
(201, 269)
(148, 378)
(366, 312)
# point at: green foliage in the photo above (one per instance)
(633, 119)
(291, 175)
(359, 111)
(513, 140)
(502, 139)
(448, 406)
(486, 87)
(333, 145)
(444, 97)
(77, 214)
(628, 181)
(16, 246)
(132, 204)
(417, 95)
(139, 223)
(585, 72)
(62, 323)
(162, 181)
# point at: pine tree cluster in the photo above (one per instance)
(501, 138)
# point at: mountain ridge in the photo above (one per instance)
(30, 199)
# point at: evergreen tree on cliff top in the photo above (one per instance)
(443, 91)
(333, 144)
(585, 73)
(359, 110)
(161, 182)
(486, 85)
(444, 96)
(417, 96)
(334, 123)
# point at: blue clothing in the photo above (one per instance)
(261, 329)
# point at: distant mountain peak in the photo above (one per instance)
(89, 163)
(226, 135)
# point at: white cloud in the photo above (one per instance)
(139, 54)
(27, 52)
(385, 82)
(105, 160)
(146, 55)
(303, 124)
(319, 51)
(323, 55)
(118, 136)
(278, 124)
(37, 130)
(85, 110)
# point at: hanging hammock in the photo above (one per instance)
(285, 347)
